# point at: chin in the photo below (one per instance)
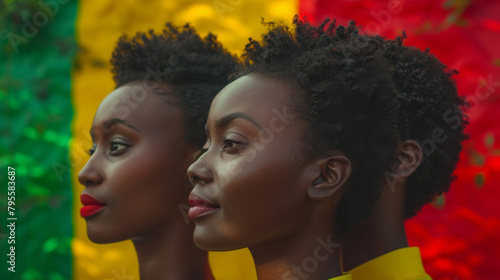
(210, 241)
(100, 239)
(102, 236)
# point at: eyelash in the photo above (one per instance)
(234, 148)
(113, 143)
(92, 150)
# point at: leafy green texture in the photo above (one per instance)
(37, 45)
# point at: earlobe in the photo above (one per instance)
(409, 158)
(332, 175)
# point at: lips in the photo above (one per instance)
(200, 207)
(91, 205)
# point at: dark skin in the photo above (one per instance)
(384, 230)
(137, 169)
(269, 196)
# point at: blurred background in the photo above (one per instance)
(54, 58)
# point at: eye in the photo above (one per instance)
(92, 149)
(233, 143)
(228, 144)
(118, 147)
(232, 147)
(206, 146)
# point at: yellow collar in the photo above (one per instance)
(400, 264)
(342, 277)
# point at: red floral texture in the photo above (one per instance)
(458, 234)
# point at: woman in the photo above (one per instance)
(308, 127)
(145, 135)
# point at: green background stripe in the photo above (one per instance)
(37, 47)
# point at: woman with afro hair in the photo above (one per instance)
(431, 128)
(145, 135)
(311, 118)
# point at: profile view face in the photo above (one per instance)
(135, 177)
(250, 183)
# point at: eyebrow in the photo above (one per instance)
(111, 122)
(224, 121)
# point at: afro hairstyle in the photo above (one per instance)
(430, 112)
(347, 96)
(197, 69)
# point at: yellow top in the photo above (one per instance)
(342, 277)
(401, 264)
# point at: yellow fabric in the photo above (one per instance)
(342, 277)
(401, 264)
(98, 26)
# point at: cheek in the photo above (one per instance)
(261, 203)
(147, 188)
(143, 192)
(263, 190)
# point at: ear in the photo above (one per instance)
(409, 158)
(332, 175)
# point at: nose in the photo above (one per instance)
(90, 175)
(199, 173)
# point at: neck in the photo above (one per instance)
(381, 233)
(170, 253)
(307, 255)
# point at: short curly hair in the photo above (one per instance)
(431, 112)
(197, 68)
(347, 96)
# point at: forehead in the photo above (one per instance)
(256, 95)
(139, 105)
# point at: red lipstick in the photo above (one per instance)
(200, 207)
(90, 205)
